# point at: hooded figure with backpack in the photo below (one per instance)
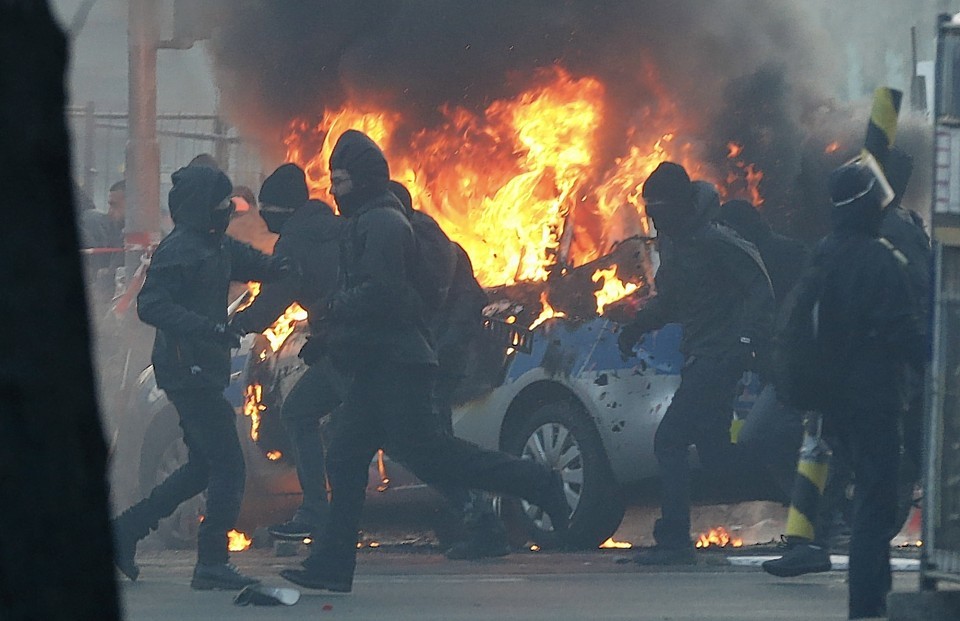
(457, 319)
(185, 297)
(714, 284)
(310, 234)
(377, 328)
(845, 348)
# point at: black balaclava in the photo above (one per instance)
(282, 194)
(707, 201)
(361, 158)
(670, 198)
(744, 218)
(403, 195)
(197, 199)
(857, 200)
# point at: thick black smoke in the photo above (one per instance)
(755, 73)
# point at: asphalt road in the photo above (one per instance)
(400, 585)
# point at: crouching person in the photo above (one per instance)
(185, 298)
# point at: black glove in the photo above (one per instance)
(286, 267)
(225, 334)
(630, 335)
(312, 350)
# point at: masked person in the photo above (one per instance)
(866, 331)
(456, 322)
(376, 329)
(185, 297)
(714, 284)
(309, 234)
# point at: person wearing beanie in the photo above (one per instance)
(184, 297)
(310, 235)
(375, 328)
(867, 324)
(715, 285)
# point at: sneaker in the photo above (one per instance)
(293, 530)
(663, 556)
(325, 571)
(800, 559)
(220, 577)
(313, 579)
(485, 543)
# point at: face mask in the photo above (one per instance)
(275, 217)
(668, 217)
(220, 217)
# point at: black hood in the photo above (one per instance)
(744, 218)
(857, 200)
(403, 195)
(360, 156)
(196, 191)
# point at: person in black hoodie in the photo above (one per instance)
(377, 330)
(309, 234)
(867, 314)
(714, 284)
(455, 324)
(185, 297)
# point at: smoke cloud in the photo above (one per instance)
(766, 75)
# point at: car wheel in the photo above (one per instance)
(561, 436)
(163, 453)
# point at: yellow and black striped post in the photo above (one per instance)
(882, 128)
(812, 469)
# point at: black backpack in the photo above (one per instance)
(436, 262)
(806, 368)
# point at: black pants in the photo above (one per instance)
(870, 441)
(389, 407)
(699, 414)
(474, 508)
(214, 463)
(317, 393)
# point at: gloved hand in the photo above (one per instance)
(286, 267)
(312, 350)
(225, 334)
(630, 335)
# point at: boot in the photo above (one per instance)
(799, 559)
(128, 529)
(486, 538)
(220, 577)
(660, 555)
(325, 570)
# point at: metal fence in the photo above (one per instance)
(100, 140)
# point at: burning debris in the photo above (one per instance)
(237, 541)
(718, 537)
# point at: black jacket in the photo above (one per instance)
(312, 238)
(904, 229)
(714, 284)
(868, 314)
(377, 315)
(184, 295)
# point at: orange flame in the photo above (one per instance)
(613, 288)
(253, 289)
(833, 147)
(734, 150)
(514, 182)
(382, 469)
(616, 545)
(274, 455)
(718, 537)
(252, 406)
(546, 313)
(284, 325)
(237, 541)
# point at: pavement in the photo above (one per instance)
(398, 584)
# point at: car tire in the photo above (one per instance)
(163, 453)
(561, 435)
